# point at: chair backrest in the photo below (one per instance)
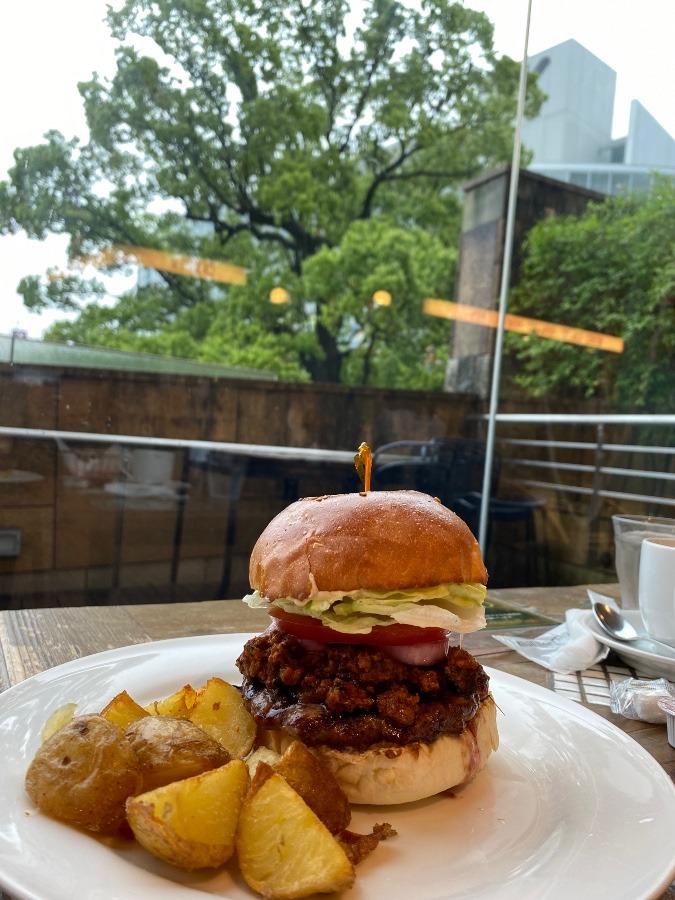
(465, 459)
(408, 465)
(447, 468)
(397, 449)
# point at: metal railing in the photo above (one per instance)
(608, 463)
(654, 487)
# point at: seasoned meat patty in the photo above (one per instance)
(354, 696)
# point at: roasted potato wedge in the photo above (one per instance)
(284, 850)
(84, 773)
(261, 754)
(171, 749)
(316, 785)
(220, 711)
(58, 719)
(191, 823)
(123, 710)
(177, 704)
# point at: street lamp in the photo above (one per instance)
(382, 298)
(279, 295)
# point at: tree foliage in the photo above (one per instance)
(612, 270)
(274, 135)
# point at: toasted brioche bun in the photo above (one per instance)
(385, 775)
(384, 540)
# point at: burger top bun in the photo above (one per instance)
(376, 540)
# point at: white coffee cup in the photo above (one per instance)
(629, 533)
(656, 587)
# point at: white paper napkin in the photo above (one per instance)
(564, 649)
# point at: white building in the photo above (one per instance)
(571, 139)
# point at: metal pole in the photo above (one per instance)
(503, 293)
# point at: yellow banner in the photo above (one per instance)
(490, 318)
(192, 266)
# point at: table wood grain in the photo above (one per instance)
(33, 640)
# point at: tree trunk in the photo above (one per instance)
(329, 367)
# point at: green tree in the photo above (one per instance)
(611, 270)
(266, 133)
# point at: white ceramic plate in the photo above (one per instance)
(569, 806)
(644, 662)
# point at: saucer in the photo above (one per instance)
(643, 661)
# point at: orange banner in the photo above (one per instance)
(490, 318)
(192, 266)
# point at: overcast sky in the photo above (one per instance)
(47, 46)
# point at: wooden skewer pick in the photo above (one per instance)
(364, 465)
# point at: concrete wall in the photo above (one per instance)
(480, 259)
(575, 121)
(648, 143)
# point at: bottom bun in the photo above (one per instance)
(389, 774)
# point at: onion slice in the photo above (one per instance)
(418, 654)
(311, 645)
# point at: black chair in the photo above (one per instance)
(452, 470)
(466, 458)
(446, 468)
(409, 465)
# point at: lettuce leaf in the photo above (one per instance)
(453, 607)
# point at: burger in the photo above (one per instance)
(369, 594)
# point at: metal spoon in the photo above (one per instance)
(611, 621)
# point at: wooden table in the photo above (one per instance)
(32, 640)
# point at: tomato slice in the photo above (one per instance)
(310, 629)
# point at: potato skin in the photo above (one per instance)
(169, 749)
(317, 786)
(84, 773)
